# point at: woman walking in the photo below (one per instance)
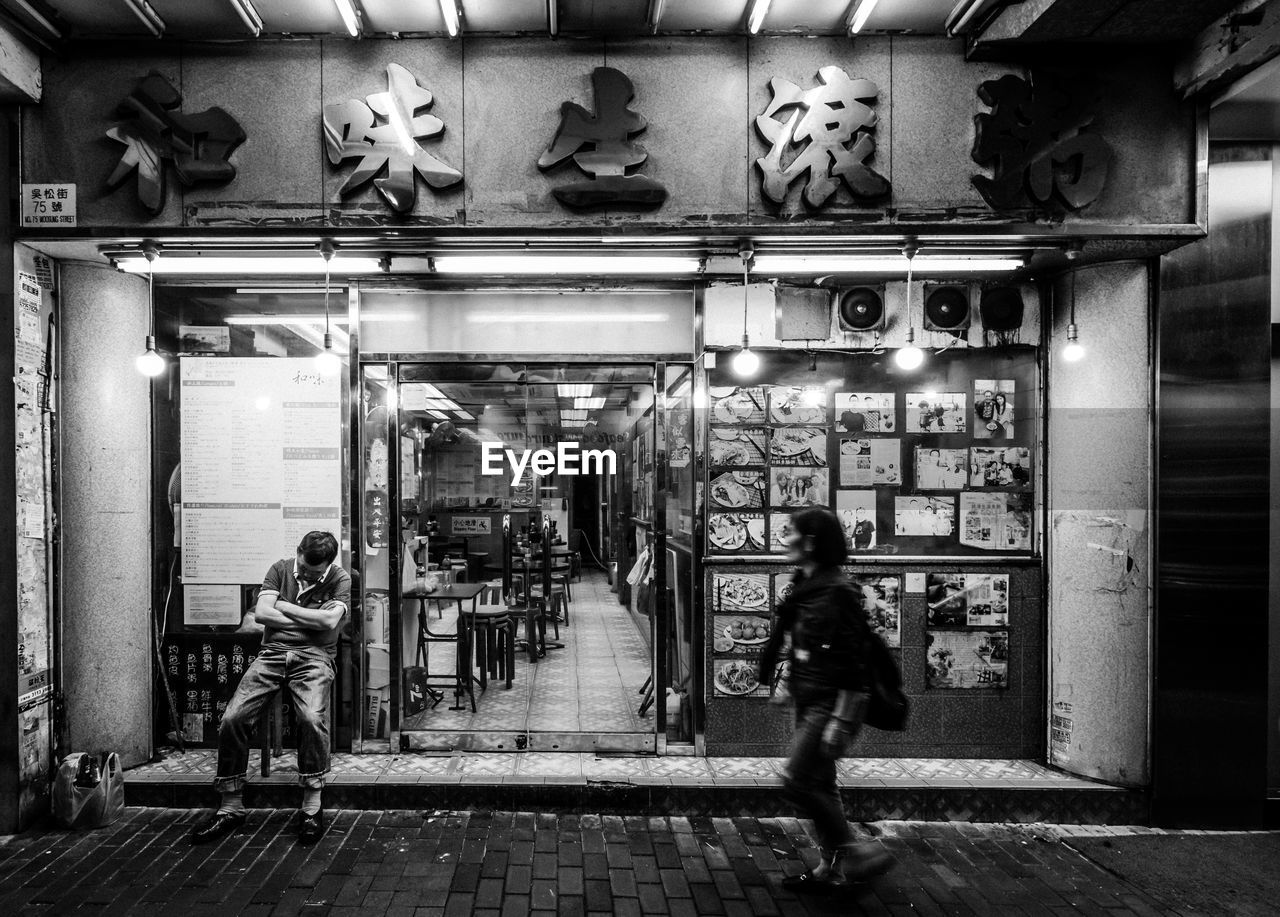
(830, 683)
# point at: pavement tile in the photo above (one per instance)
(502, 864)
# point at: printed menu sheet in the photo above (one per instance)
(261, 463)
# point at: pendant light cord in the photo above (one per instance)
(326, 297)
(746, 279)
(1073, 297)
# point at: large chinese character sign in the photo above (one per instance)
(384, 131)
(1037, 143)
(153, 130)
(821, 136)
(601, 145)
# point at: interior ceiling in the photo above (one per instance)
(218, 19)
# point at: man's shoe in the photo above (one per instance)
(220, 825)
(310, 827)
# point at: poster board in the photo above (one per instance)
(261, 450)
(940, 462)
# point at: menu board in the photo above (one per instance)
(261, 463)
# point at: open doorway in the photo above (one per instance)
(500, 468)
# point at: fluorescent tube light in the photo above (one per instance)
(350, 16)
(574, 390)
(565, 318)
(465, 415)
(147, 16)
(573, 415)
(287, 321)
(755, 15)
(437, 415)
(252, 21)
(291, 290)
(861, 12)
(452, 21)
(566, 264)
(881, 264)
(590, 404)
(218, 264)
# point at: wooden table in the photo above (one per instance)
(461, 679)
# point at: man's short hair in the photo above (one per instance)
(318, 548)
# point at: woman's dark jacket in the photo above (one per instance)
(829, 637)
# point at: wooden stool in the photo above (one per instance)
(556, 610)
(495, 645)
(271, 730)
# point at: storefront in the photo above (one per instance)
(907, 290)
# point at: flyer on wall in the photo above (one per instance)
(995, 521)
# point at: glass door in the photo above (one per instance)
(527, 493)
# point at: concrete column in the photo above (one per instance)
(106, 512)
(1099, 459)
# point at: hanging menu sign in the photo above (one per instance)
(261, 463)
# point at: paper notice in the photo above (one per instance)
(210, 605)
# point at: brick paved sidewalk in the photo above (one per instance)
(503, 864)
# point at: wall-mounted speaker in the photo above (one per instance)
(1001, 308)
(861, 309)
(946, 308)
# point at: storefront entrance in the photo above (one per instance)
(527, 612)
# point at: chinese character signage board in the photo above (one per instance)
(153, 130)
(383, 132)
(821, 136)
(49, 205)
(1037, 142)
(601, 145)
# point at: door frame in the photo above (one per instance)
(523, 739)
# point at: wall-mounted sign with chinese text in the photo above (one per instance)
(601, 146)
(383, 132)
(1036, 141)
(823, 136)
(153, 130)
(49, 205)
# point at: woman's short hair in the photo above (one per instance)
(823, 526)
(318, 548)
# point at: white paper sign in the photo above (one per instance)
(210, 605)
(49, 204)
(261, 463)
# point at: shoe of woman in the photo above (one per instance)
(806, 883)
(860, 862)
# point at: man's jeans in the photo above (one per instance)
(308, 674)
(810, 774)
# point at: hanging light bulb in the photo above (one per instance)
(1074, 351)
(150, 362)
(327, 361)
(909, 357)
(745, 362)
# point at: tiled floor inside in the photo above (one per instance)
(199, 764)
(590, 685)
